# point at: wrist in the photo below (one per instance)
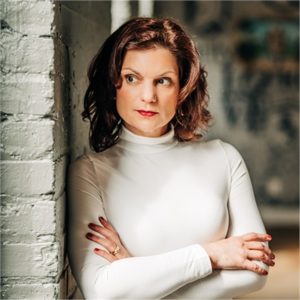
(211, 254)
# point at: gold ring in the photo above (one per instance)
(116, 251)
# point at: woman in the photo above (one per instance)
(154, 212)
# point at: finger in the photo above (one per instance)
(104, 231)
(259, 237)
(252, 266)
(107, 244)
(105, 255)
(269, 262)
(259, 255)
(256, 255)
(106, 224)
(263, 248)
(259, 246)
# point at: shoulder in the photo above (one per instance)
(233, 158)
(82, 174)
(216, 145)
(88, 160)
(87, 164)
(217, 150)
(82, 178)
(80, 163)
(230, 151)
(82, 166)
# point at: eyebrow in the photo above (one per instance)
(136, 72)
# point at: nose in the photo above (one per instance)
(148, 92)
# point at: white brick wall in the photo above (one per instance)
(47, 46)
(33, 154)
(25, 99)
(27, 177)
(26, 139)
(23, 16)
(31, 291)
(36, 56)
(35, 222)
(33, 260)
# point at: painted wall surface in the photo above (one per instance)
(84, 25)
(33, 154)
(81, 27)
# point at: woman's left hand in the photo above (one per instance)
(109, 239)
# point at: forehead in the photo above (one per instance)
(154, 60)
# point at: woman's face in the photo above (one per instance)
(148, 96)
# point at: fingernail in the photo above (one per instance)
(269, 237)
(88, 235)
(101, 218)
(97, 249)
(90, 225)
(266, 273)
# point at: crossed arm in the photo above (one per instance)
(227, 255)
(238, 261)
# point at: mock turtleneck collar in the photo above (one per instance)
(141, 144)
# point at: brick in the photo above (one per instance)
(30, 221)
(35, 260)
(27, 139)
(29, 17)
(27, 94)
(27, 54)
(27, 177)
(34, 90)
(30, 291)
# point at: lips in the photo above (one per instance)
(147, 113)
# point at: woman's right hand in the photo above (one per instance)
(240, 252)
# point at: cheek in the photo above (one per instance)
(172, 110)
(171, 103)
(126, 94)
(123, 97)
(168, 110)
(120, 103)
(122, 107)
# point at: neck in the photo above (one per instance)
(152, 134)
(142, 144)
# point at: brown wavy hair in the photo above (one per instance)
(192, 116)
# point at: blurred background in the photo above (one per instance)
(251, 52)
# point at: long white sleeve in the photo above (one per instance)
(165, 199)
(137, 277)
(244, 218)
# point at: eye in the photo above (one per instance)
(164, 81)
(130, 78)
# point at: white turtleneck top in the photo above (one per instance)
(165, 199)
